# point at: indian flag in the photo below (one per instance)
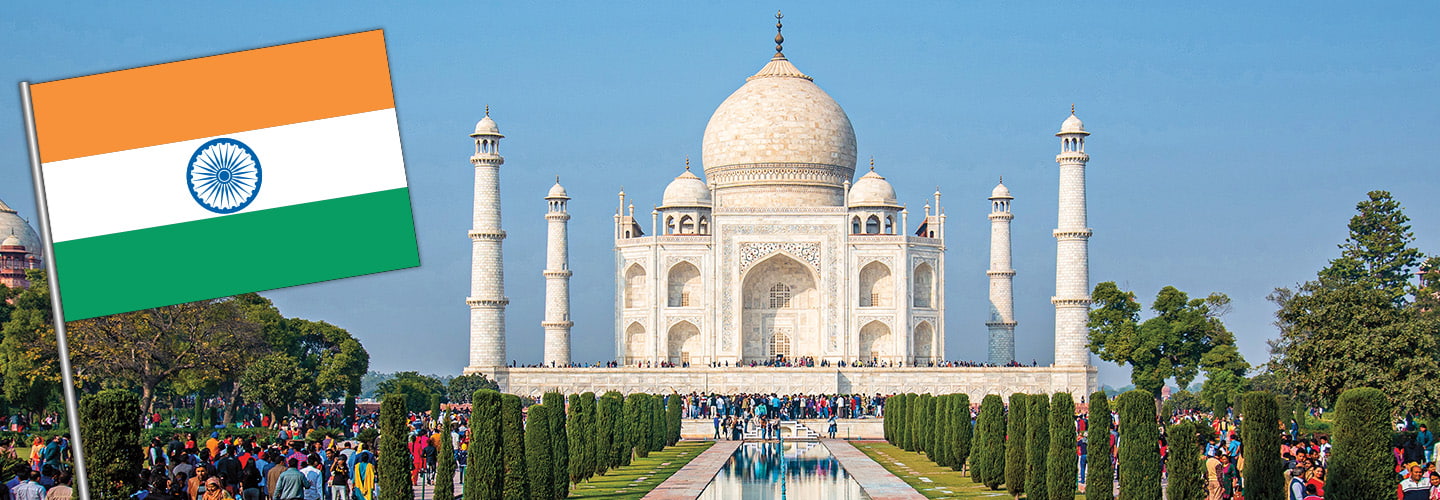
(228, 174)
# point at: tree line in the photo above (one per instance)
(1028, 447)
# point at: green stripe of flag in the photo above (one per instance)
(240, 253)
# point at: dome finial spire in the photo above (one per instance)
(687, 163)
(1072, 108)
(779, 39)
(557, 180)
(487, 110)
(872, 163)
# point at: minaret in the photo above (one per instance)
(487, 274)
(557, 278)
(1072, 256)
(1002, 276)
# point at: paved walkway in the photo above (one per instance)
(877, 482)
(690, 480)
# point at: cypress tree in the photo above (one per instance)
(659, 428)
(592, 451)
(1062, 461)
(112, 441)
(579, 438)
(991, 427)
(1037, 447)
(444, 463)
(434, 407)
(1139, 447)
(198, 418)
(540, 467)
(1264, 470)
(1185, 467)
(937, 430)
(514, 474)
(1361, 464)
(485, 472)
(943, 438)
(607, 412)
(674, 405)
(620, 445)
(1099, 474)
(559, 444)
(895, 418)
(1015, 437)
(637, 433)
(916, 423)
(960, 424)
(886, 421)
(394, 468)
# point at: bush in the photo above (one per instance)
(960, 426)
(512, 443)
(395, 464)
(1099, 474)
(1015, 435)
(1361, 465)
(1185, 467)
(991, 428)
(559, 445)
(539, 464)
(1037, 447)
(1139, 446)
(1264, 470)
(111, 434)
(368, 435)
(1062, 461)
(484, 474)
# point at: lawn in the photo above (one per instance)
(929, 479)
(642, 475)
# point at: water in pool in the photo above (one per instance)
(791, 471)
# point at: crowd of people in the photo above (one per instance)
(786, 407)
(784, 362)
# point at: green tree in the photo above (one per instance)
(515, 475)
(1062, 461)
(559, 444)
(1260, 432)
(674, 407)
(960, 425)
(276, 382)
(580, 435)
(1362, 322)
(622, 437)
(659, 430)
(1185, 467)
(444, 463)
(1099, 476)
(1037, 447)
(991, 428)
(1173, 344)
(594, 447)
(29, 370)
(462, 387)
(1015, 445)
(1139, 447)
(394, 466)
(416, 387)
(943, 437)
(916, 424)
(111, 433)
(1361, 464)
(607, 413)
(540, 465)
(485, 472)
(895, 418)
(637, 432)
(434, 406)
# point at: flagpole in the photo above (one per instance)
(72, 407)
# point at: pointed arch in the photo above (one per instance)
(876, 288)
(889, 224)
(855, 225)
(683, 342)
(876, 343)
(683, 285)
(637, 343)
(780, 295)
(923, 341)
(704, 227)
(687, 225)
(872, 225)
(635, 286)
(923, 280)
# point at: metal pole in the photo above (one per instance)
(72, 406)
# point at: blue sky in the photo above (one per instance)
(1231, 140)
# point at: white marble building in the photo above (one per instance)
(776, 253)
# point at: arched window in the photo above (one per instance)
(779, 343)
(635, 286)
(704, 225)
(684, 285)
(889, 224)
(687, 225)
(924, 280)
(670, 225)
(875, 285)
(636, 343)
(855, 225)
(872, 225)
(779, 296)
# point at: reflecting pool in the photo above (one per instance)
(792, 471)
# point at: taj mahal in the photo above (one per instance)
(779, 255)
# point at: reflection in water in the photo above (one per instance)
(791, 471)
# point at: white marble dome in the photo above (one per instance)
(1000, 191)
(687, 190)
(873, 190)
(778, 120)
(487, 126)
(1072, 125)
(557, 191)
(12, 224)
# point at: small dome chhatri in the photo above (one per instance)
(1072, 125)
(872, 190)
(487, 126)
(687, 190)
(1001, 192)
(11, 241)
(557, 191)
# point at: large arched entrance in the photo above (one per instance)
(876, 344)
(781, 314)
(684, 342)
